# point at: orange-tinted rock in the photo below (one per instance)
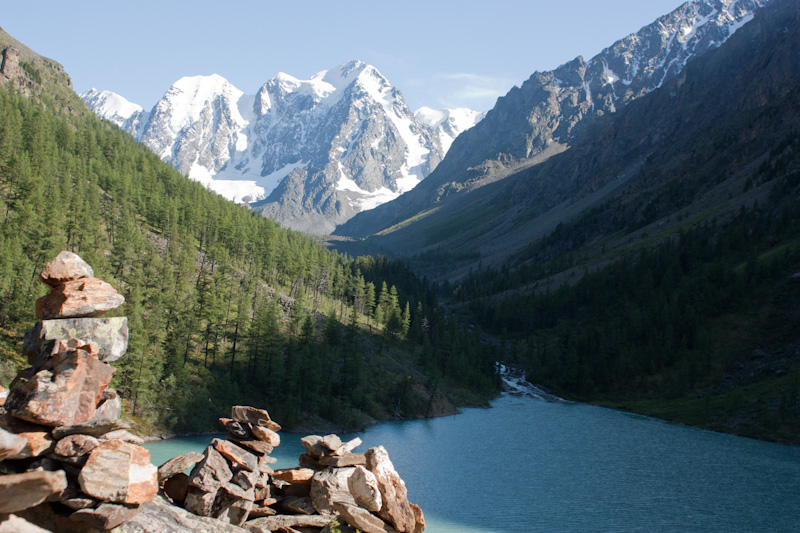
(293, 475)
(10, 444)
(66, 266)
(38, 439)
(396, 509)
(267, 435)
(119, 472)
(76, 445)
(420, 518)
(236, 455)
(21, 491)
(66, 390)
(87, 297)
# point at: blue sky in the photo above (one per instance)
(438, 53)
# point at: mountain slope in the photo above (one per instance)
(310, 153)
(550, 110)
(225, 307)
(676, 294)
(23, 70)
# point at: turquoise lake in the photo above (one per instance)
(528, 465)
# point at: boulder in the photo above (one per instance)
(363, 486)
(21, 491)
(66, 390)
(10, 444)
(313, 446)
(361, 519)
(109, 334)
(210, 473)
(178, 464)
(119, 472)
(331, 443)
(236, 455)
(200, 502)
(253, 416)
(396, 510)
(37, 438)
(66, 266)
(267, 435)
(328, 486)
(109, 409)
(229, 507)
(76, 445)
(86, 297)
(107, 515)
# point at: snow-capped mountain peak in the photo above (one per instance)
(448, 124)
(115, 108)
(315, 151)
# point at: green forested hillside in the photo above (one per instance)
(224, 306)
(699, 322)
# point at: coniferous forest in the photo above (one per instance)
(224, 306)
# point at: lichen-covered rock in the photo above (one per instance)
(109, 334)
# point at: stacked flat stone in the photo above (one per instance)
(230, 480)
(61, 438)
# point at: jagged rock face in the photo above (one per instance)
(549, 110)
(312, 152)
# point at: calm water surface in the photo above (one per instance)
(530, 465)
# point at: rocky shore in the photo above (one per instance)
(68, 462)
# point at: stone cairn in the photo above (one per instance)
(232, 481)
(61, 438)
(62, 443)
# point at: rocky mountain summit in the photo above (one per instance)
(68, 463)
(545, 115)
(310, 153)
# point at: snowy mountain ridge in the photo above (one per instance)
(344, 139)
